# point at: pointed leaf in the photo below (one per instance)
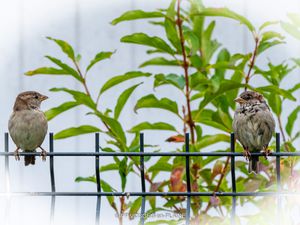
(99, 57)
(150, 101)
(51, 113)
(136, 205)
(65, 67)
(65, 47)
(224, 12)
(153, 126)
(291, 120)
(275, 89)
(144, 39)
(211, 139)
(291, 29)
(47, 71)
(170, 26)
(173, 79)
(75, 131)
(123, 99)
(119, 79)
(80, 97)
(136, 14)
(160, 61)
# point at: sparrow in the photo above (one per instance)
(253, 125)
(28, 125)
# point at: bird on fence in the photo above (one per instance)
(28, 125)
(253, 125)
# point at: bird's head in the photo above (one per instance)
(29, 100)
(248, 97)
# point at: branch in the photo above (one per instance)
(185, 67)
(219, 182)
(252, 62)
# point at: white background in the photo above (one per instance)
(86, 25)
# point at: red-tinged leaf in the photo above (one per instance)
(176, 180)
(176, 138)
(217, 169)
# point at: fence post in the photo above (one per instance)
(142, 166)
(97, 173)
(52, 178)
(188, 179)
(233, 180)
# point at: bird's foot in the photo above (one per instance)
(247, 154)
(43, 154)
(17, 154)
(266, 152)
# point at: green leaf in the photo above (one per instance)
(226, 85)
(86, 179)
(275, 103)
(206, 117)
(144, 39)
(119, 79)
(291, 120)
(109, 167)
(291, 29)
(170, 26)
(107, 188)
(123, 99)
(208, 140)
(153, 126)
(136, 205)
(115, 128)
(47, 71)
(276, 90)
(161, 166)
(75, 131)
(224, 12)
(150, 101)
(69, 70)
(99, 57)
(80, 97)
(123, 172)
(173, 79)
(263, 46)
(65, 47)
(268, 23)
(51, 113)
(136, 14)
(160, 61)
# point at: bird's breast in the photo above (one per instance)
(28, 128)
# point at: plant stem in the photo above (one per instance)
(83, 78)
(286, 147)
(252, 62)
(219, 182)
(185, 67)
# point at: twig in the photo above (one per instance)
(219, 182)
(83, 78)
(185, 67)
(252, 62)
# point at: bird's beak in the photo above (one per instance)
(240, 100)
(44, 97)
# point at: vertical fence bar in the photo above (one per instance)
(52, 178)
(278, 178)
(97, 172)
(188, 179)
(142, 165)
(233, 180)
(7, 179)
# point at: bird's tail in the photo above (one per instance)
(29, 159)
(253, 164)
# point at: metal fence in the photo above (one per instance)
(188, 194)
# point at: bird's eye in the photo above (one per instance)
(36, 97)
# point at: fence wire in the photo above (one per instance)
(188, 194)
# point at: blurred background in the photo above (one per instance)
(85, 24)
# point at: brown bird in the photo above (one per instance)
(28, 125)
(253, 125)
